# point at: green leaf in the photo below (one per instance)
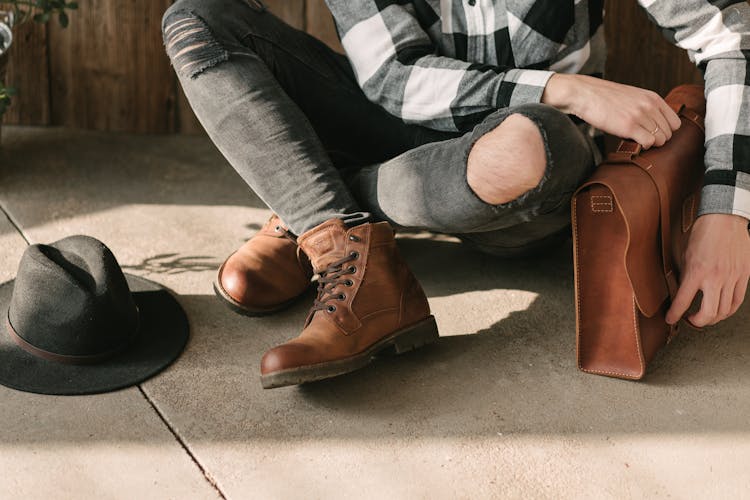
(41, 18)
(72, 5)
(63, 18)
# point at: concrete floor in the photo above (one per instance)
(496, 409)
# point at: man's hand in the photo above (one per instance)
(620, 110)
(717, 258)
(717, 262)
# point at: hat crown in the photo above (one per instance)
(70, 298)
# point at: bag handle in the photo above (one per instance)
(628, 151)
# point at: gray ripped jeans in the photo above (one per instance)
(287, 113)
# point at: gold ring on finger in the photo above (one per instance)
(656, 130)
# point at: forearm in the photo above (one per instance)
(620, 110)
(716, 36)
(398, 67)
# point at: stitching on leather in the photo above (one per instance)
(630, 376)
(365, 239)
(577, 284)
(605, 206)
(638, 338)
(381, 311)
(634, 375)
(579, 329)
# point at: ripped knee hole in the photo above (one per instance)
(190, 44)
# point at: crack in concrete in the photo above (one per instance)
(184, 445)
(208, 477)
(14, 223)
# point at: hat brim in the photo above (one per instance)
(162, 336)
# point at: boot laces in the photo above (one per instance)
(286, 233)
(333, 276)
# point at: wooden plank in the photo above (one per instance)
(638, 54)
(109, 70)
(28, 72)
(319, 23)
(291, 11)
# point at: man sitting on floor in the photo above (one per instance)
(474, 118)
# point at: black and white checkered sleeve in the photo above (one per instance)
(397, 67)
(716, 35)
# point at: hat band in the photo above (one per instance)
(66, 358)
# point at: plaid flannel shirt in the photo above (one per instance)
(445, 63)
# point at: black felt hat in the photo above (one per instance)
(73, 323)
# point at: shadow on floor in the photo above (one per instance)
(173, 263)
(518, 376)
(106, 170)
(514, 374)
(515, 377)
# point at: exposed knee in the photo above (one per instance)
(508, 161)
(189, 41)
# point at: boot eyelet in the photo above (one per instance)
(348, 283)
(354, 255)
(353, 237)
(331, 309)
(342, 296)
(352, 269)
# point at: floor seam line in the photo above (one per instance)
(14, 223)
(207, 476)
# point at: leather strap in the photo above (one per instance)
(693, 117)
(64, 358)
(630, 152)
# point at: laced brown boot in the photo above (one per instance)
(368, 300)
(266, 274)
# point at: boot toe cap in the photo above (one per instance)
(286, 357)
(249, 289)
(261, 283)
(234, 282)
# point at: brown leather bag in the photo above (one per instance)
(631, 223)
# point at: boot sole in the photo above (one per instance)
(404, 340)
(239, 308)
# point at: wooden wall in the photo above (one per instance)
(108, 70)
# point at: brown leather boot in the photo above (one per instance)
(265, 274)
(368, 300)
